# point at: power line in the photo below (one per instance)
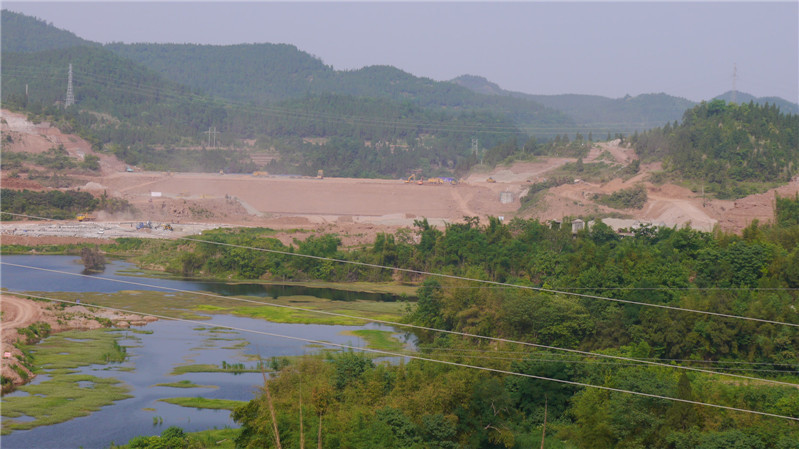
(412, 326)
(156, 92)
(530, 358)
(495, 351)
(503, 284)
(426, 359)
(513, 286)
(176, 93)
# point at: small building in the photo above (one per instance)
(577, 226)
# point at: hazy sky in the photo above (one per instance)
(686, 49)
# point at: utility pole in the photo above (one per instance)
(70, 100)
(734, 82)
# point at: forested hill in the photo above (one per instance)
(103, 81)
(21, 33)
(742, 97)
(141, 112)
(636, 113)
(269, 72)
(258, 73)
(258, 92)
(725, 145)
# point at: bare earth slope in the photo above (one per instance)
(357, 209)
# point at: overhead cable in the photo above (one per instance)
(427, 359)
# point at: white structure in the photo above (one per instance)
(70, 100)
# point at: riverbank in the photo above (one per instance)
(130, 249)
(25, 320)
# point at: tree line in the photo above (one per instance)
(361, 403)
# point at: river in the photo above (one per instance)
(152, 356)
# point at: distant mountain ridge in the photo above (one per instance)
(263, 73)
(743, 97)
(647, 110)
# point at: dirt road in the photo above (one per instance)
(18, 312)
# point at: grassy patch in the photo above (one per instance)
(216, 404)
(590, 171)
(281, 315)
(62, 352)
(185, 384)
(210, 308)
(60, 399)
(240, 345)
(378, 310)
(209, 368)
(66, 395)
(377, 339)
(221, 330)
(189, 306)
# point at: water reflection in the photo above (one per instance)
(26, 279)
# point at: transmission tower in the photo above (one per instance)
(211, 132)
(476, 149)
(70, 95)
(734, 82)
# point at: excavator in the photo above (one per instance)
(413, 178)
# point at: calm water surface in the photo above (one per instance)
(153, 357)
(18, 278)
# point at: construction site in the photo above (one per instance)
(178, 204)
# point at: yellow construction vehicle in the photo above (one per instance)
(168, 227)
(490, 180)
(410, 178)
(84, 217)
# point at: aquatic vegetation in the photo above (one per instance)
(199, 402)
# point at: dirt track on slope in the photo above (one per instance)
(18, 312)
